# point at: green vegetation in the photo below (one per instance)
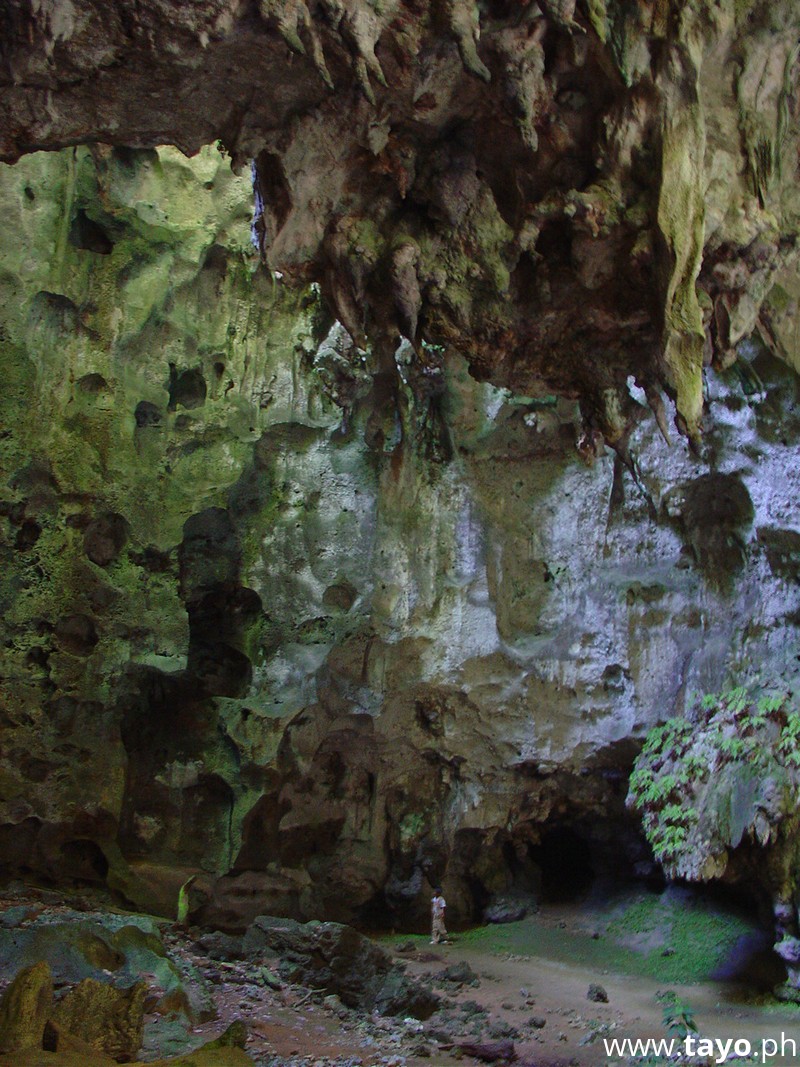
(678, 1018)
(671, 937)
(703, 783)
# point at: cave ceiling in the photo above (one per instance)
(568, 194)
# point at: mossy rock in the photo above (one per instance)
(25, 1008)
(207, 1056)
(108, 1019)
(203, 1057)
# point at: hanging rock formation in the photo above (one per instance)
(568, 194)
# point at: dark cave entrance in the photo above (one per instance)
(567, 870)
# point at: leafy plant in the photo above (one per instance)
(697, 782)
(677, 1017)
(789, 744)
(667, 840)
(733, 747)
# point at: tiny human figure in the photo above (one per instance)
(438, 931)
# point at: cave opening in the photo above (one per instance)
(83, 860)
(564, 860)
(88, 235)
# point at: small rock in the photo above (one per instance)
(500, 1029)
(270, 980)
(440, 1035)
(597, 994)
(787, 993)
(458, 974)
(537, 1022)
(219, 946)
(471, 1007)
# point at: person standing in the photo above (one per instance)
(438, 905)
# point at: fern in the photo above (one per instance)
(733, 747)
(735, 701)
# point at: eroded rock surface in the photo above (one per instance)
(566, 193)
(314, 652)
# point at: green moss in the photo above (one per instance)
(779, 300)
(699, 936)
(598, 17)
(635, 933)
(365, 240)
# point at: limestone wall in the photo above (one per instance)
(318, 644)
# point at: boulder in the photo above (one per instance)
(509, 908)
(124, 946)
(489, 1051)
(109, 1020)
(337, 959)
(25, 1008)
(458, 974)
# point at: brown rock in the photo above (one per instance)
(108, 1019)
(56, 1039)
(489, 1051)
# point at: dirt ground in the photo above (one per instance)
(644, 951)
(531, 986)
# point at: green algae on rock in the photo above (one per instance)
(25, 1008)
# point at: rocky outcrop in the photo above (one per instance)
(117, 984)
(92, 1018)
(314, 652)
(94, 1025)
(342, 962)
(104, 1018)
(25, 1008)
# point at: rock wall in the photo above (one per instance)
(316, 651)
